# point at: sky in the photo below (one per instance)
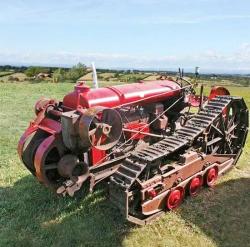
(143, 34)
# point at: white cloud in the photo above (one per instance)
(213, 60)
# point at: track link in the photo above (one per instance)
(134, 165)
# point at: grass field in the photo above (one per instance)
(31, 215)
(5, 77)
(4, 73)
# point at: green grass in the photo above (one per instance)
(132, 77)
(5, 78)
(6, 73)
(31, 215)
(3, 73)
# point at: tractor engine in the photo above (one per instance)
(88, 134)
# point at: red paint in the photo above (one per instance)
(152, 193)
(175, 198)
(42, 104)
(84, 97)
(97, 156)
(51, 126)
(194, 100)
(218, 91)
(211, 177)
(41, 153)
(24, 138)
(195, 185)
(152, 91)
(144, 127)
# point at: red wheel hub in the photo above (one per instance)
(175, 198)
(211, 177)
(195, 186)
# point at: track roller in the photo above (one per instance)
(175, 198)
(211, 177)
(195, 186)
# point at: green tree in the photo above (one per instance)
(58, 75)
(76, 72)
(33, 71)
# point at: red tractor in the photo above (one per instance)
(142, 137)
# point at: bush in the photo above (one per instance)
(71, 75)
(33, 71)
(76, 72)
(58, 75)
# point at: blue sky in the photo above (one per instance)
(213, 34)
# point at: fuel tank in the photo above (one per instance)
(113, 96)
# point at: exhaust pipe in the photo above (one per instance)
(94, 75)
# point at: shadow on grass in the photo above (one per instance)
(30, 215)
(222, 213)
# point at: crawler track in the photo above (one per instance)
(207, 134)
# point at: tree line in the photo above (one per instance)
(58, 74)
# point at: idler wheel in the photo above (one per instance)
(195, 186)
(175, 198)
(211, 177)
(227, 133)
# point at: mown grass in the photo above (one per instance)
(4, 73)
(31, 215)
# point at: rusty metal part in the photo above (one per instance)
(69, 122)
(70, 187)
(143, 133)
(100, 128)
(144, 170)
(42, 104)
(69, 166)
(95, 173)
(77, 176)
(145, 127)
(228, 132)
